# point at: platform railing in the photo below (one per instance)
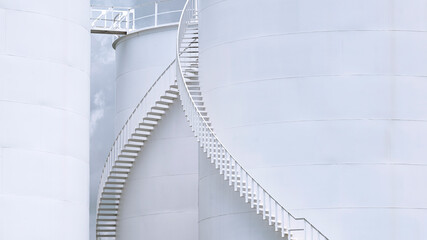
(114, 20)
(124, 20)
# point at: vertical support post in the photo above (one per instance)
(127, 20)
(265, 205)
(305, 230)
(156, 7)
(258, 198)
(282, 211)
(133, 19)
(105, 18)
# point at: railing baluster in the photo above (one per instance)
(215, 154)
(283, 221)
(264, 205)
(235, 175)
(258, 198)
(270, 210)
(276, 217)
(229, 167)
(253, 192)
(247, 187)
(241, 181)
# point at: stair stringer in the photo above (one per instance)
(237, 177)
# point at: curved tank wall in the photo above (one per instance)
(220, 207)
(140, 59)
(44, 123)
(324, 103)
(160, 198)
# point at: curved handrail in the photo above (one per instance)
(164, 81)
(227, 164)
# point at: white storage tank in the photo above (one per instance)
(144, 54)
(159, 200)
(140, 59)
(323, 102)
(44, 119)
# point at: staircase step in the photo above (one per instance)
(169, 97)
(162, 107)
(149, 124)
(108, 204)
(125, 160)
(107, 214)
(130, 150)
(172, 92)
(134, 144)
(156, 113)
(113, 188)
(117, 177)
(142, 134)
(105, 225)
(152, 118)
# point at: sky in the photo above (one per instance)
(102, 113)
(102, 106)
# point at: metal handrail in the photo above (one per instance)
(104, 19)
(257, 196)
(162, 83)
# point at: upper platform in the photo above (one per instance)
(125, 20)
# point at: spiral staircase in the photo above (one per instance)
(184, 83)
(126, 148)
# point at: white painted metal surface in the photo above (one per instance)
(260, 201)
(44, 119)
(161, 189)
(324, 103)
(140, 58)
(127, 146)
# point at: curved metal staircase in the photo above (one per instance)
(127, 146)
(242, 182)
(184, 83)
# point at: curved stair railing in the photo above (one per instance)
(187, 77)
(127, 146)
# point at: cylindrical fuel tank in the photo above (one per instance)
(143, 55)
(140, 59)
(323, 102)
(160, 198)
(44, 119)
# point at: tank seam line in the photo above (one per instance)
(48, 152)
(367, 207)
(210, 5)
(313, 76)
(307, 32)
(51, 16)
(153, 214)
(162, 176)
(48, 60)
(138, 69)
(327, 120)
(39, 197)
(49, 107)
(222, 215)
(340, 164)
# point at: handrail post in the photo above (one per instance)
(156, 9)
